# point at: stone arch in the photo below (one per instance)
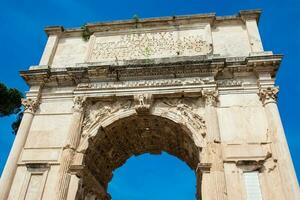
(122, 131)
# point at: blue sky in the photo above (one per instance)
(160, 177)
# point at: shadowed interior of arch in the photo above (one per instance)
(136, 135)
(150, 176)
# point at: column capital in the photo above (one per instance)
(30, 105)
(268, 95)
(210, 96)
(79, 103)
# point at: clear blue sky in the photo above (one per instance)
(147, 177)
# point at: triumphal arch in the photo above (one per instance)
(199, 87)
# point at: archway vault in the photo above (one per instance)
(116, 130)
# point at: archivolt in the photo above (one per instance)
(123, 133)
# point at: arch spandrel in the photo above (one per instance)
(187, 112)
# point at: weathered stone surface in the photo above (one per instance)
(198, 87)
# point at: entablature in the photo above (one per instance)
(183, 71)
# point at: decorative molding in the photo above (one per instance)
(147, 69)
(229, 83)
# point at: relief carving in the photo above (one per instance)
(186, 110)
(143, 103)
(146, 83)
(97, 112)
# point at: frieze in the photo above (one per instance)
(145, 83)
(149, 45)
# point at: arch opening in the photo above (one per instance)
(135, 135)
(149, 176)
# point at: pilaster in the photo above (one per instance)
(49, 51)
(250, 20)
(214, 149)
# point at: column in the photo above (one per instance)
(214, 148)
(30, 106)
(280, 151)
(69, 149)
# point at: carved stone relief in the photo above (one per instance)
(146, 83)
(186, 108)
(98, 111)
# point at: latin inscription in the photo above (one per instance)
(149, 45)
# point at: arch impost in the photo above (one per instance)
(204, 167)
(251, 164)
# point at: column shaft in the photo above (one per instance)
(68, 151)
(285, 164)
(12, 161)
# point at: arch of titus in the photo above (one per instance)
(199, 87)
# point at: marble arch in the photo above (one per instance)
(201, 83)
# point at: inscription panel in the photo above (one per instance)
(147, 45)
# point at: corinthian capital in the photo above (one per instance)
(30, 105)
(210, 96)
(79, 103)
(268, 95)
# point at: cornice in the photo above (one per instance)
(169, 68)
(250, 14)
(54, 30)
(168, 21)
